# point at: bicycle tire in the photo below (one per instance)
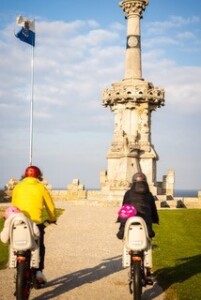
(23, 284)
(137, 280)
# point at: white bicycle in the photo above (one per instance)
(137, 254)
(24, 255)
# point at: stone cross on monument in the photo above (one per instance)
(132, 101)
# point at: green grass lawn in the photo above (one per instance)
(3, 249)
(177, 253)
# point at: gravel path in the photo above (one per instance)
(83, 260)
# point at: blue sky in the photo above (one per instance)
(80, 51)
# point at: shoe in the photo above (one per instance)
(40, 277)
(149, 279)
(120, 234)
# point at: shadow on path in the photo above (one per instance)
(152, 293)
(70, 281)
(62, 285)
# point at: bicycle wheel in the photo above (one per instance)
(137, 280)
(23, 283)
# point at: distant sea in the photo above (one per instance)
(186, 193)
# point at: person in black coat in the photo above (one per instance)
(142, 199)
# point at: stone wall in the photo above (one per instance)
(97, 198)
(77, 195)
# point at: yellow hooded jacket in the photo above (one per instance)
(30, 196)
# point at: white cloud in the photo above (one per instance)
(174, 22)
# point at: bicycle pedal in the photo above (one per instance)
(144, 282)
(149, 281)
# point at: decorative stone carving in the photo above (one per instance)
(134, 95)
(131, 7)
(116, 184)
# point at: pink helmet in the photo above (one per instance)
(11, 210)
(127, 211)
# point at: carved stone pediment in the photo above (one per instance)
(133, 95)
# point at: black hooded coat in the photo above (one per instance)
(142, 199)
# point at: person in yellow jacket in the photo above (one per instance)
(30, 196)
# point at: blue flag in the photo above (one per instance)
(27, 32)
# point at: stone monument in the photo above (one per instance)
(132, 101)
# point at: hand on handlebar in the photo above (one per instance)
(48, 222)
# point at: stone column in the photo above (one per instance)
(133, 10)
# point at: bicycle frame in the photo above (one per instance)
(136, 244)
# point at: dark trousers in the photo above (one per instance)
(42, 246)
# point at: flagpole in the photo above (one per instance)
(31, 110)
(27, 35)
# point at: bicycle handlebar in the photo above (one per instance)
(48, 222)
